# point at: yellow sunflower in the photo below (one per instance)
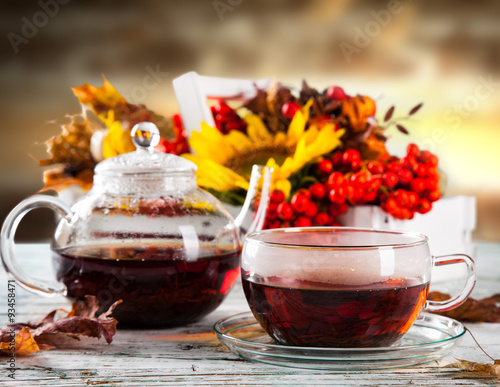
(225, 161)
(117, 141)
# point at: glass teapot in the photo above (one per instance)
(146, 234)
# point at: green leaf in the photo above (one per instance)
(234, 197)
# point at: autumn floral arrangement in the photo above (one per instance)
(102, 131)
(327, 151)
(326, 148)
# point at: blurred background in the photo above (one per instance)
(446, 54)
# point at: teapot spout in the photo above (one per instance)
(253, 214)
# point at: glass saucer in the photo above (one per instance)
(430, 338)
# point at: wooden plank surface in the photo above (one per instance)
(193, 356)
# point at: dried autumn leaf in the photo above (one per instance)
(102, 100)
(479, 368)
(402, 129)
(258, 104)
(41, 336)
(380, 136)
(25, 344)
(87, 307)
(322, 106)
(389, 113)
(70, 151)
(57, 179)
(277, 96)
(70, 156)
(267, 105)
(485, 310)
(415, 109)
(307, 92)
(331, 106)
(72, 146)
(357, 109)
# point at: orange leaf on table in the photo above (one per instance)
(477, 368)
(25, 344)
(41, 336)
(485, 310)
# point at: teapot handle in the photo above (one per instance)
(7, 248)
(252, 215)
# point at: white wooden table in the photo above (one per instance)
(193, 356)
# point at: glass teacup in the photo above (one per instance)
(342, 287)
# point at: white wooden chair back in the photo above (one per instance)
(192, 91)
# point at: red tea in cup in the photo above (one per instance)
(341, 287)
(305, 313)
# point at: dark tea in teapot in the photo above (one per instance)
(158, 284)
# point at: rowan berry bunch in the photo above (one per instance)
(179, 145)
(401, 187)
(226, 119)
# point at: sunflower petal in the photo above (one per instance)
(306, 108)
(272, 164)
(210, 143)
(279, 178)
(287, 168)
(214, 150)
(256, 129)
(298, 124)
(327, 140)
(295, 129)
(109, 118)
(239, 141)
(311, 134)
(284, 186)
(211, 174)
(301, 149)
(117, 141)
(279, 138)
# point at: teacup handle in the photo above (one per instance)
(7, 247)
(441, 306)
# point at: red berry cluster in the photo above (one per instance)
(305, 209)
(180, 144)
(414, 181)
(400, 186)
(226, 119)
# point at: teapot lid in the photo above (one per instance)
(145, 136)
